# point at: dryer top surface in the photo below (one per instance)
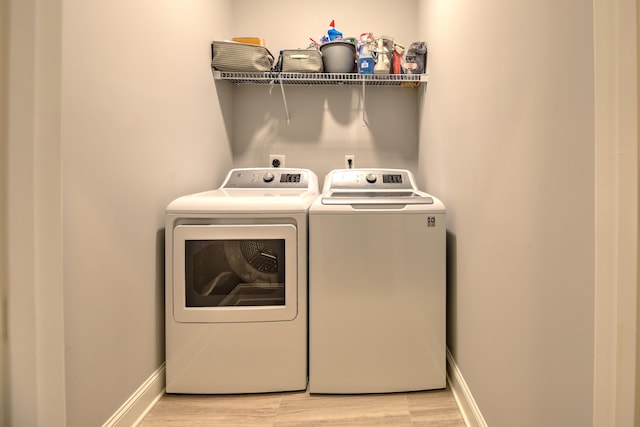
(254, 190)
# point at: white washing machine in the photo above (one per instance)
(376, 285)
(236, 284)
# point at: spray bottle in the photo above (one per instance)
(333, 33)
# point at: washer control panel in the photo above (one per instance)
(372, 187)
(376, 179)
(267, 178)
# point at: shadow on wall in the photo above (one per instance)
(452, 289)
(257, 112)
(224, 91)
(392, 116)
(306, 107)
(326, 122)
(258, 116)
(160, 286)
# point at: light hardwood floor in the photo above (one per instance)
(429, 408)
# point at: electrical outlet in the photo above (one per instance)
(276, 160)
(349, 161)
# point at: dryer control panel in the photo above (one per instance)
(267, 178)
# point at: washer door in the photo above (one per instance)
(234, 273)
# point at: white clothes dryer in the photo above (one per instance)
(376, 285)
(236, 284)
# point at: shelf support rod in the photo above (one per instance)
(364, 123)
(284, 100)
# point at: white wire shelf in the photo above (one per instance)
(321, 79)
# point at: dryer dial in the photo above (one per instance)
(268, 177)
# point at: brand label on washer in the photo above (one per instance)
(431, 221)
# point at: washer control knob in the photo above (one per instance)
(268, 177)
(371, 178)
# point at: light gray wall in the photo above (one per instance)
(140, 126)
(34, 246)
(637, 278)
(112, 114)
(508, 143)
(4, 64)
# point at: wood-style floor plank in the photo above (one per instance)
(204, 410)
(344, 410)
(434, 408)
(418, 409)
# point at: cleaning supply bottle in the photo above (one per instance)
(383, 64)
(333, 33)
(365, 60)
(398, 53)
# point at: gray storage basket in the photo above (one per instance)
(301, 61)
(242, 57)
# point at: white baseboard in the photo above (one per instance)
(140, 402)
(466, 403)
